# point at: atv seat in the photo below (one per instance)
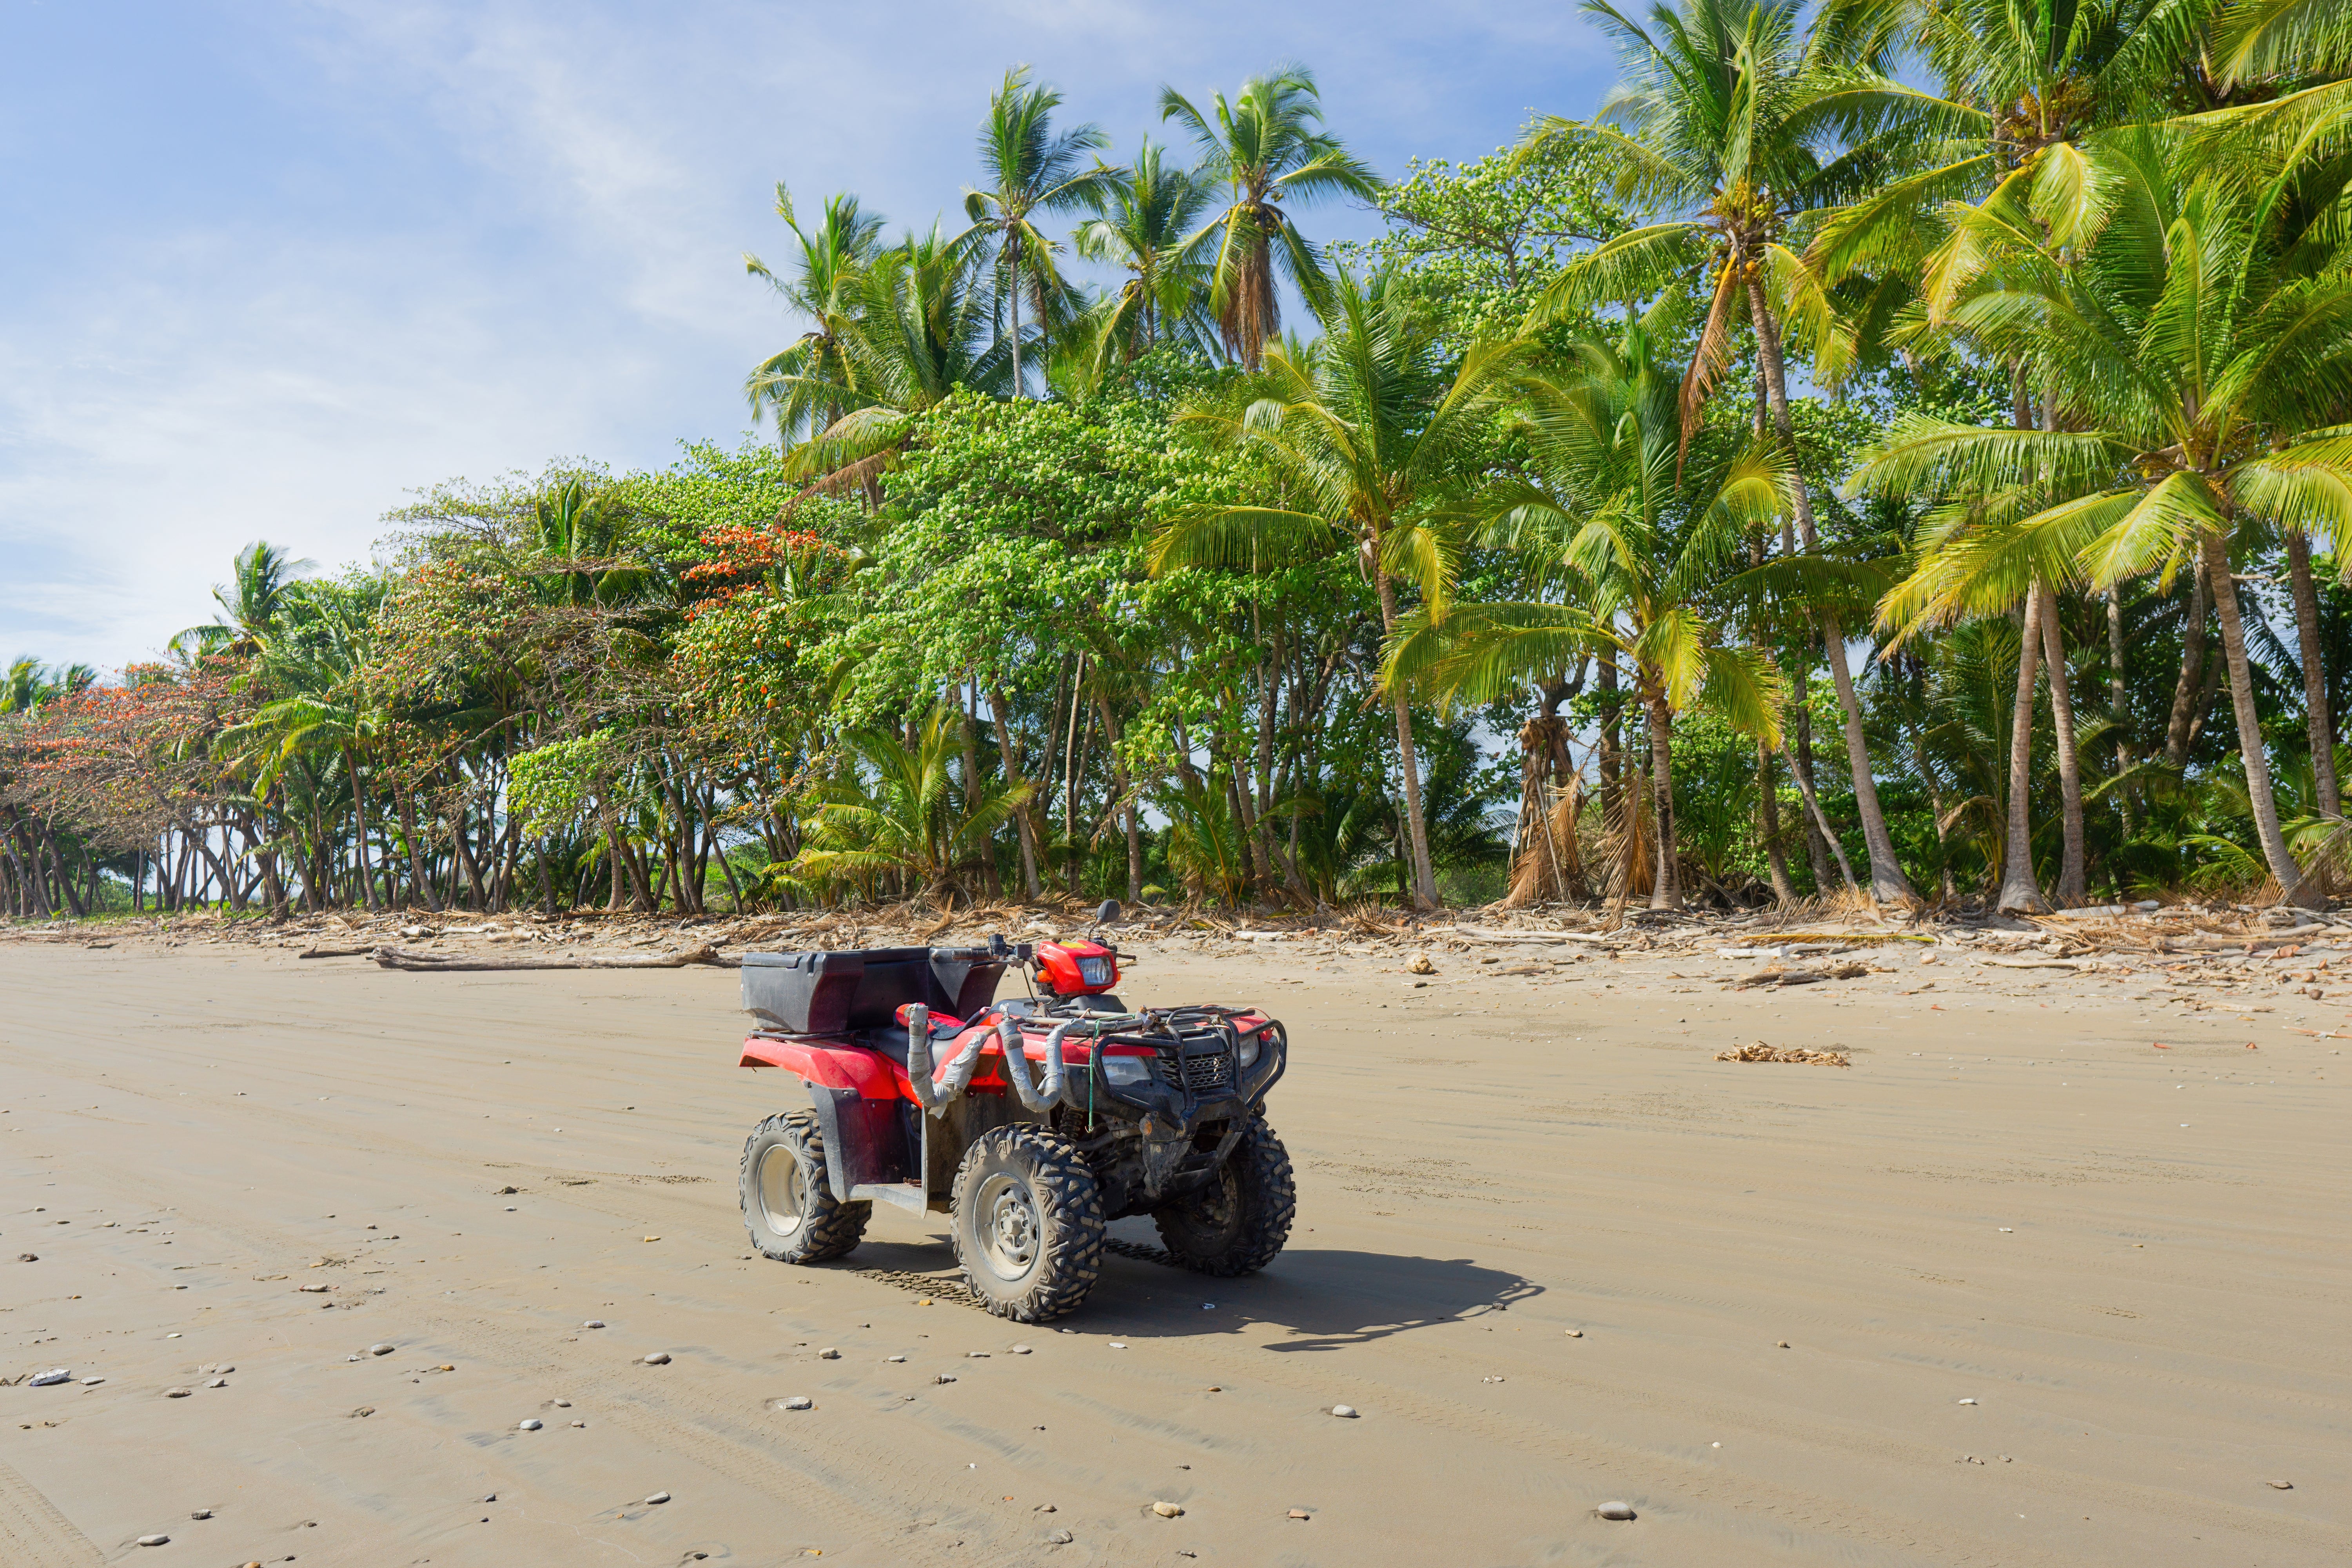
(829, 993)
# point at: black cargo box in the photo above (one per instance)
(828, 993)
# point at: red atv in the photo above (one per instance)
(1031, 1123)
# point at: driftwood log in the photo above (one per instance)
(402, 958)
(1777, 977)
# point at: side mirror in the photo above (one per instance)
(1108, 914)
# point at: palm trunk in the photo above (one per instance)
(2119, 701)
(2073, 889)
(358, 832)
(972, 788)
(1127, 798)
(2315, 674)
(1612, 742)
(1818, 838)
(1767, 822)
(1012, 244)
(2177, 729)
(1665, 889)
(2292, 888)
(1424, 881)
(2021, 893)
(1887, 882)
(1821, 818)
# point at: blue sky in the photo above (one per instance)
(273, 265)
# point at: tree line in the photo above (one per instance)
(1962, 388)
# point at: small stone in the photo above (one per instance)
(60, 1375)
(91, 1382)
(593, 1323)
(29, 1257)
(154, 1540)
(363, 1411)
(1968, 1402)
(975, 1355)
(561, 1403)
(2283, 1485)
(1045, 1508)
(529, 1424)
(508, 1192)
(202, 1513)
(1300, 1513)
(1344, 1412)
(893, 1358)
(800, 1402)
(1020, 1350)
(1616, 1510)
(224, 1369)
(1576, 1333)
(311, 1289)
(379, 1349)
(944, 1377)
(447, 1366)
(1166, 1509)
(177, 1392)
(217, 1383)
(1116, 1345)
(580, 1424)
(656, 1499)
(1421, 964)
(1783, 1343)
(828, 1355)
(659, 1358)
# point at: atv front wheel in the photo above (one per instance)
(791, 1214)
(1027, 1220)
(1239, 1220)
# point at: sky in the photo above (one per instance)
(273, 266)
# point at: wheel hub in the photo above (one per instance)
(782, 1194)
(1006, 1227)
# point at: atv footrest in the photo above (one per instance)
(906, 1196)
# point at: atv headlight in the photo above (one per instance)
(1126, 1069)
(1251, 1046)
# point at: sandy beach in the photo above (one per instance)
(2017, 1286)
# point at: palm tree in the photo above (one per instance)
(1724, 126)
(1147, 225)
(1031, 172)
(1604, 494)
(1267, 147)
(898, 809)
(817, 380)
(1360, 434)
(251, 602)
(2200, 376)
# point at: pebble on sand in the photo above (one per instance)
(1576, 1333)
(217, 1383)
(529, 1424)
(29, 1257)
(593, 1323)
(1616, 1510)
(828, 1354)
(201, 1513)
(154, 1540)
(379, 1349)
(800, 1402)
(657, 1498)
(1968, 1402)
(893, 1358)
(311, 1289)
(61, 1375)
(1020, 1350)
(91, 1382)
(1344, 1412)
(1060, 1537)
(944, 1377)
(177, 1392)
(2283, 1485)
(1166, 1509)
(659, 1358)
(1300, 1513)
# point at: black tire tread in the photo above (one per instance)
(1073, 1201)
(835, 1227)
(1264, 1169)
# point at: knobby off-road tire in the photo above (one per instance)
(1027, 1219)
(1238, 1221)
(788, 1207)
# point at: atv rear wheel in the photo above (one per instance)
(1027, 1220)
(790, 1211)
(1239, 1220)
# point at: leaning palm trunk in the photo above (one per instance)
(2292, 888)
(1887, 882)
(2073, 889)
(2021, 891)
(1666, 889)
(1424, 879)
(2315, 674)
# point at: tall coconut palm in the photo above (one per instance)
(817, 380)
(1030, 171)
(1268, 149)
(2200, 378)
(1723, 128)
(251, 602)
(1360, 434)
(1604, 492)
(1147, 224)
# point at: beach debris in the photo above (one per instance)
(799, 1402)
(313, 1289)
(1968, 1402)
(944, 1377)
(1166, 1509)
(656, 1499)
(29, 1257)
(403, 958)
(1059, 1537)
(1300, 1513)
(828, 1354)
(1117, 1345)
(91, 1382)
(659, 1358)
(1344, 1412)
(975, 1355)
(360, 1412)
(529, 1424)
(1777, 976)
(177, 1392)
(893, 1358)
(1576, 1333)
(1761, 1052)
(2283, 1485)
(380, 1350)
(1616, 1511)
(217, 1383)
(154, 1540)
(201, 1513)
(1420, 964)
(593, 1323)
(1782, 1344)
(1020, 1350)
(59, 1374)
